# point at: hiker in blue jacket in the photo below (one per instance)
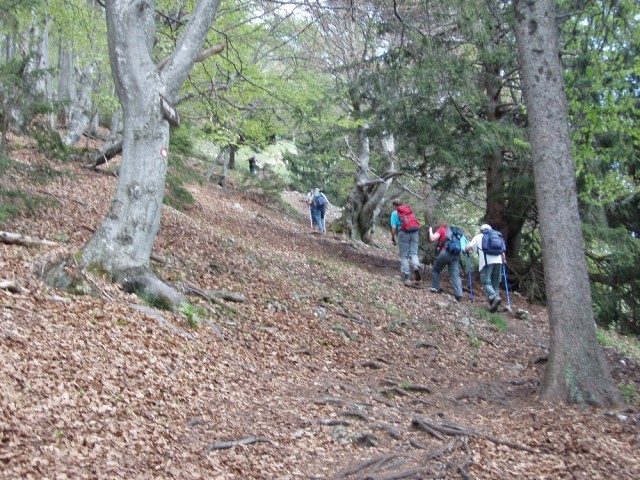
(490, 267)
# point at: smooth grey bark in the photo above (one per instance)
(123, 243)
(79, 115)
(66, 82)
(576, 371)
(366, 198)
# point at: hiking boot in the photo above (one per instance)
(458, 299)
(406, 278)
(495, 303)
(435, 290)
(416, 272)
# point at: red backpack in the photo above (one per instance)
(409, 221)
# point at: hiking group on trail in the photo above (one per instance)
(317, 202)
(451, 244)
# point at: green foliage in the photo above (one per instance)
(194, 315)
(474, 340)
(612, 259)
(49, 142)
(318, 165)
(17, 202)
(628, 345)
(494, 319)
(182, 166)
(603, 77)
(629, 393)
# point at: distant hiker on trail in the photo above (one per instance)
(447, 255)
(489, 245)
(317, 202)
(253, 163)
(406, 229)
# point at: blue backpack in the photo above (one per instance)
(493, 243)
(319, 200)
(455, 240)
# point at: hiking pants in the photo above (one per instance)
(315, 217)
(490, 278)
(452, 262)
(321, 212)
(408, 246)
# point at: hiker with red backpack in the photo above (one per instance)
(490, 247)
(405, 232)
(448, 249)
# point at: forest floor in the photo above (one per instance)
(325, 367)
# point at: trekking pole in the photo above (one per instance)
(310, 218)
(506, 283)
(424, 268)
(470, 283)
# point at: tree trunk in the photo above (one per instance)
(363, 205)
(66, 82)
(80, 109)
(122, 245)
(496, 209)
(576, 371)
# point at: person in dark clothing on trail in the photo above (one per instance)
(445, 259)
(317, 202)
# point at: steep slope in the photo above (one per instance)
(326, 367)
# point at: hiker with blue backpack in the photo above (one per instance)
(318, 207)
(448, 241)
(405, 232)
(490, 247)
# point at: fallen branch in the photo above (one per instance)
(25, 241)
(236, 443)
(10, 286)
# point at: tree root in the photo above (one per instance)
(235, 443)
(453, 429)
(374, 464)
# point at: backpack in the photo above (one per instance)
(319, 200)
(493, 243)
(408, 219)
(455, 240)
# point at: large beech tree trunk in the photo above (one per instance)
(365, 200)
(122, 245)
(577, 371)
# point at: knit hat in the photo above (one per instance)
(485, 227)
(396, 201)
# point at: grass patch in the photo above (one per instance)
(14, 203)
(194, 315)
(628, 345)
(474, 340)
(494, 319)
(629, 393)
